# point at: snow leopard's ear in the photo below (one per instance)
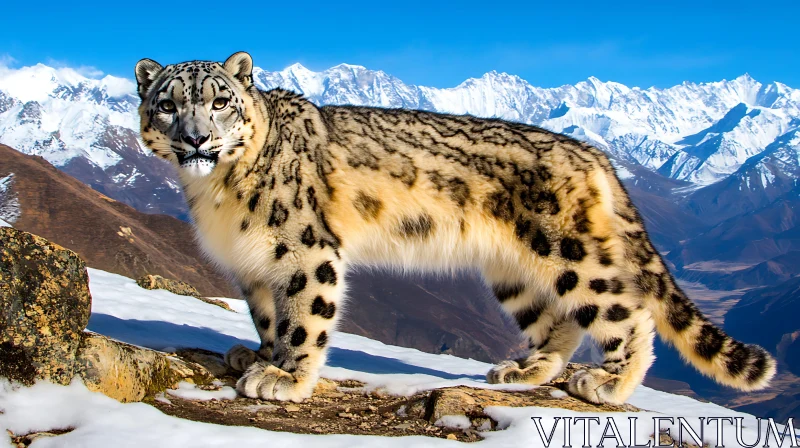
(240, 65)
(146, 72)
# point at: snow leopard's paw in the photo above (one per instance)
(521, 371)
(595, 385)
(239, 358)
(505, 372)
(265, 381)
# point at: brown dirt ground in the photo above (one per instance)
(346, 407)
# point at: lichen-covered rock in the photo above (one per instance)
(44, 307)
(471, 402)
(216, 302)
(175, 286)
(129, 373)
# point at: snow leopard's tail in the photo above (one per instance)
(701, 343)
(677, 319)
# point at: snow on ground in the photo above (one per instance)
(189, 391)
(454, 421)
(159, 319)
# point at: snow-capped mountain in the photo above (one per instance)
(89, 128)
(762, 179)
(719, 150)
(700, 133)
(704, 131)
(60, 114)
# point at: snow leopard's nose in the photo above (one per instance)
(194, 142)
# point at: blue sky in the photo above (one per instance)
(551, 43)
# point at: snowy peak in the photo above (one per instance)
(763, 179)
(779, 159)
(341, 84)
(601, 94)
(727, 123)
(747, 88)
(720, 149)
(61, 114)
(39, 82)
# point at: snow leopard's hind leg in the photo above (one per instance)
(609, 311)
(625, 332)
(552, 337)
(307, 293)
(262, 310)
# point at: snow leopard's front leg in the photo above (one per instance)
(262, 310)
(306, 300)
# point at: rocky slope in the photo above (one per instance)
(772, 310)
(748, 239)
(105, 232)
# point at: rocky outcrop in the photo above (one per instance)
(348, 407)
(151, 281)
(44, 308)
(128, 373)
(471, 402)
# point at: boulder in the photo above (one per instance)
(175, 286)
(44, 307)
(178, 287)
(129, 373)
(471, 402)
(216, 302)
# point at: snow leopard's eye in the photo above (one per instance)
(166, 106)
(220, 103)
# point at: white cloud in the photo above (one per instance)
(117, 87)
(87, 71)
(6, 60)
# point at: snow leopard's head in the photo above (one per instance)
(197, 114)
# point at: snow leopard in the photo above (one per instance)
(285, 196)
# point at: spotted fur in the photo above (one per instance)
(286, 195)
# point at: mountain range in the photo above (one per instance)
(696, 133)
